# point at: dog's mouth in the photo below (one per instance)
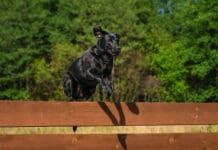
(115, 52)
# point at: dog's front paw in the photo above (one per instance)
(104, 88)
(109, 90)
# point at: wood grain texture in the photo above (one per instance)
(29, 113)
(110, 142)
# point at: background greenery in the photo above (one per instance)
(169, 47)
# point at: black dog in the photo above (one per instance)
(94, 66)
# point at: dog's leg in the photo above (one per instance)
(109, 85)
(67, 84)
(100, 93)
(79, 91)
(71, 88)
(98, 78)
(89, 92)
(110, 93)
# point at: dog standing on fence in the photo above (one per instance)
(93, 67)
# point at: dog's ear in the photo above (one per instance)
(98, 32)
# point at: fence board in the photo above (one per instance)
(109, 142)
(29, 113)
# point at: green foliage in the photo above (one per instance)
(188, 66)
(168, 65)
(169, 48)
(48, 77)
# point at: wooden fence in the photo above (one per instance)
(69, 114)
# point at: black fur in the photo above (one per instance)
(93, 67)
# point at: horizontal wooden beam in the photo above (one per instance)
(30, 113)
(109, 142)
(111, 129)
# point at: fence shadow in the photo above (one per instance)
(121, 120)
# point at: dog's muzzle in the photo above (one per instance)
(117, 51)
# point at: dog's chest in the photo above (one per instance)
(104, 63)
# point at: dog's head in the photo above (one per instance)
(107, 41)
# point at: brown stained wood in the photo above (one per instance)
(110, 142)
(29, 113)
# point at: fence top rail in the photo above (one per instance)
(38, 113)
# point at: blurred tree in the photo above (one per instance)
(169, 47)
(188, 66)
(23, 37)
